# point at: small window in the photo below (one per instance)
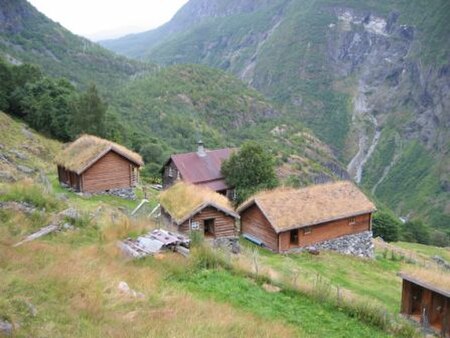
(307, 231)
(195, 225)
(352, 220)
(170, 172)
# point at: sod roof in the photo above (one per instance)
(288, 208)
(184, 200)
(81, 154)
(435, 280)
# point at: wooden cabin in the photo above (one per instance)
(202, 167)
(427, 300)
(92, 164)
(186, 207)
(286, 218)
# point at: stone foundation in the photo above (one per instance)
(360, 245)
(126, 193)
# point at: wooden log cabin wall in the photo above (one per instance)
(427, 304)
(91, 164)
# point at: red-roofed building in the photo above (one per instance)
(200, 168)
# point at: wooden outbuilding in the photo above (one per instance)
(202, 168)
(286, 218)
(426, 299)
(92, 164)
(187, 208)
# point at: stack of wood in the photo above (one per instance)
(153, 242)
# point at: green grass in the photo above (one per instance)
(426, 250)
(375, 279)
(311, 318)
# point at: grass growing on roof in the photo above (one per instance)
(80, 153)
(183, 198)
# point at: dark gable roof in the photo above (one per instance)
(202, 169)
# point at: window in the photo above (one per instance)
(294, 237)
(352, 220)
(307, 231)
(195, 225)
(170, 172)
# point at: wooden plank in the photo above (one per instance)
(42, 232)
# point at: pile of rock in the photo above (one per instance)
(126, 193)
(360, 245)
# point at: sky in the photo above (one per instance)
(104, 19)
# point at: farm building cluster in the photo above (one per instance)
(196, 197)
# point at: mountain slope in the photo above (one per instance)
(371, 79)
(26, 35)
(161, 111)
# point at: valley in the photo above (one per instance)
(318, 60)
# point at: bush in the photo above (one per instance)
(416, 231)
(386, 226)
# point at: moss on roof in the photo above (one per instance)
(435, 278)
(288, 208)
(183, 200)
(83, 152)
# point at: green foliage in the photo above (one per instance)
(47, 105)
(386, 226)
(249, 170)
(439, 238)
(89, 116)
(416, 231)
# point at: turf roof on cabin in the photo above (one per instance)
(183, 200)
(79, 155)
(288, 208)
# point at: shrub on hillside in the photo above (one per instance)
(386, 226)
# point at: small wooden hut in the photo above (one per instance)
(286, 218)
(426, 299)
(187, 208)
(92, 164)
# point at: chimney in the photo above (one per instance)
(201, 149)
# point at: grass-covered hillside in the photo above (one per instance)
(66, 284)
(369, 78)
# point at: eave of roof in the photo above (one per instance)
(203, 206)
(424, 284)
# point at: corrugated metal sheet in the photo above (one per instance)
(197, 169)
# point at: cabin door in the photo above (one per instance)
(209, 227)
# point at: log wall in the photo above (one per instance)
(224, 225)
(112, 171)
(326, 231)
(253, 222)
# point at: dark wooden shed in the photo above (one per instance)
(427, 301)
(92, 164)
(285, 219)
(187, 208)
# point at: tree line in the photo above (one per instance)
(52, 106)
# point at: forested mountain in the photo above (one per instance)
(151, 109)
(371, 78)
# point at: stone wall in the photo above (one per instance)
(360, 245)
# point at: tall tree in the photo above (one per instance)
(90, 113)
(249, 170)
